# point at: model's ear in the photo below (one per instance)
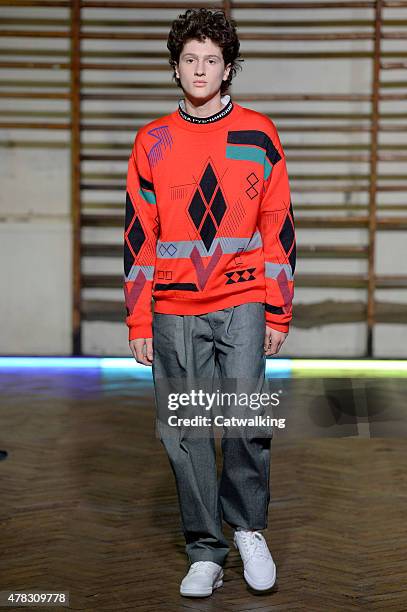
(226, 72)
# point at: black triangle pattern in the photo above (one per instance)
(240, 276)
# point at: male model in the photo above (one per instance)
(209, 235)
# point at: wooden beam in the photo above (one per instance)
(374, 134)
(76, 176)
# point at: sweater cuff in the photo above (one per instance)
(140, 331)
(283, 327)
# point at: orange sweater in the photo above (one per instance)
(209, 220)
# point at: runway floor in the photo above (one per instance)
(89, 503)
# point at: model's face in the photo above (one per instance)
(201, 61)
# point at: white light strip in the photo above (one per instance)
(349, 364)
(49, 362)
(273, 365)
(279, 366)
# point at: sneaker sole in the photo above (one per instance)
(188, 593)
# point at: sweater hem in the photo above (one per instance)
(210, 304)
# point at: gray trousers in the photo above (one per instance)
(225, 345)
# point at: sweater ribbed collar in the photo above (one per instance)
(227, 107)
(205, 124)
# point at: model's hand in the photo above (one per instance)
(273, 340)
(142, 349)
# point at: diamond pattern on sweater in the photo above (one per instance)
(207, 207)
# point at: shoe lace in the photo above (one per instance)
(254, 544)
(199, 565)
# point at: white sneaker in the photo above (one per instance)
(202, 578)
(259, 567)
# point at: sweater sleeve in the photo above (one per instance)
(140, 240)
(278, 235)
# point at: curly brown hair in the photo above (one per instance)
(200, 24)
